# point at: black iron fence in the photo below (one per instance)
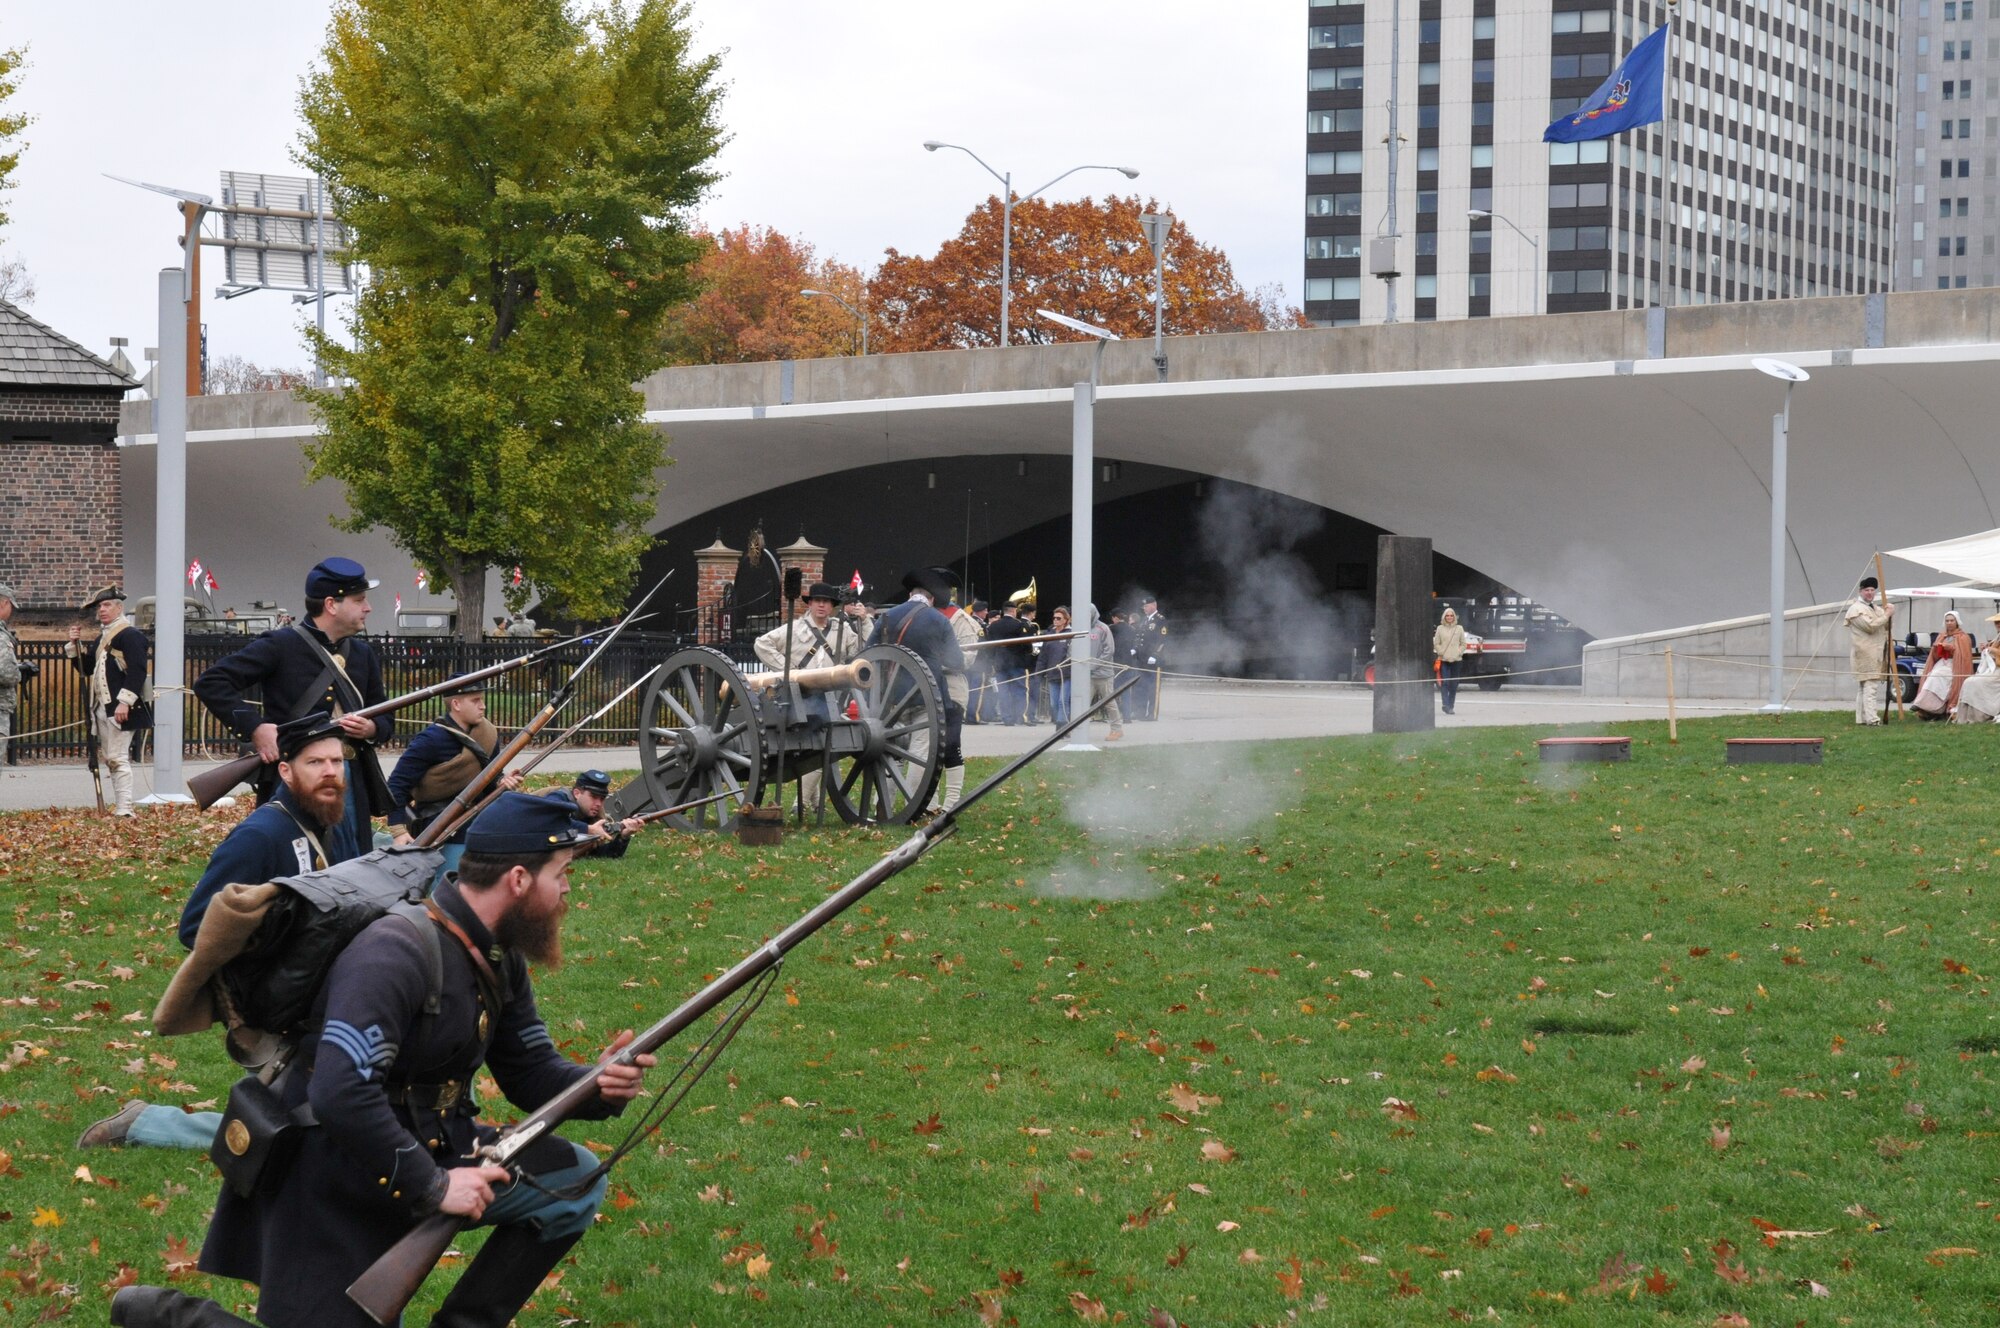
(49, 715)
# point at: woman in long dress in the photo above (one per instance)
(1950, 664)
(1979, 699)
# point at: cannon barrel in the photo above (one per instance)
(855, 673)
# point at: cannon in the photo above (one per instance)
(871, 729)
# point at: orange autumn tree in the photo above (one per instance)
(750, 307)
(1084, 258)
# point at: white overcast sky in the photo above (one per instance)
(827, 106)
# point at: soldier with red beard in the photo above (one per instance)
(303, 828)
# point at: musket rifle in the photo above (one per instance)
(391, 1282)
(210, 785)
(90, 746)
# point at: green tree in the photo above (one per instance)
(517, 175)
(12, 62)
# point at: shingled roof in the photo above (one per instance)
(33, 354)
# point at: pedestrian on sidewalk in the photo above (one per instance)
(1104, 668)
(1448, 644)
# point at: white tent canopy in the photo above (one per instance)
(1974, 557)
(1947, 593)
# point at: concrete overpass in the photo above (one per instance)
(1614, 465)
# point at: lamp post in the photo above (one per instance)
(862, 317)
(1781, 428)
(1007, 215)
(1082, 500)
(1157, 225)
(1534, 304)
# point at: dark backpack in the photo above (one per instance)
(274, 983)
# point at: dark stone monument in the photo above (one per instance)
(1405, 699)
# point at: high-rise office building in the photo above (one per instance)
(1773, 175)
(1945, 136)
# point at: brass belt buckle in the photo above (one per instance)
(447, 1097)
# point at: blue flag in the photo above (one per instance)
(1634, 95)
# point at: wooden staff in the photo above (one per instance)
(1890, 682)
(1673, 723)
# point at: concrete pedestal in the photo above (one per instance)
(1405, 696)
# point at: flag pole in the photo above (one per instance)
(1670, 223)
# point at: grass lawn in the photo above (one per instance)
(1358, 1031)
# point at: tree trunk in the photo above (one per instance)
(468, 587)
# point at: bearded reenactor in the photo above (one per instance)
(917, 624)
(586, 794)
(322, 663)
(301, 829)
(396, 1129)
(439, 763)
(115, 664)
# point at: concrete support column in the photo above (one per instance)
(1403, 703)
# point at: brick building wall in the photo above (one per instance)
(61, 498)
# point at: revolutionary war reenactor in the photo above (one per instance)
(438, 764)
(115, 664)
(586, 794)
(917, 624)
(302, 828)
(395, 1126)
(322, 663)
(819, 640)
(1867, 620)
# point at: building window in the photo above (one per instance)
(1427, 75)
(1333, 205)
(1482, 156)
(1427, 116)
(1479, 242)
(1428, 32)
(1595, 65)
(1591, 152)
(1483, 28)
(1427, 286)
(1482, 71)
(1958, 283)
(1480, 197)
(1319, 122)
(1347, 246)
(1319, 246)
(1580, 195)
(1427, 244)
(1347, 121)
(1945, 127)
(1958, 248)
(1319, 288)
(1593, 20)
(1963, 203)
(1944, 246)
(1965, 129)
(1478, 285)
(1345, 36)
(1427, 159)
(1944, 283)
(1965, 168)
(1319, 163)
(1482, 113)
(1347, 288)
(1427, 202)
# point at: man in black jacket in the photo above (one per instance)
(1010, 671)
(322, 663)
(397, 1125)
(115, 664)
(917, 624)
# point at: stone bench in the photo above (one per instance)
(1774, 751)
(1584, 749)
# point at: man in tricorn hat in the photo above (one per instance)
(438, 764)
(916, 623)
(397, 1131)
(301, 829)
(322, 663)
(115, 663)
(1867, 620)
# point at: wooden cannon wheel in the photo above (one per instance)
(698, 737)
(899, 719)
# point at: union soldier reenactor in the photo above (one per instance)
(587, 794)
(302, 828)
(396, 1126)
(322, 663)
(115, 663)
(439, 763)
(917, 624)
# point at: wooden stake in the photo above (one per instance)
(1673, 721)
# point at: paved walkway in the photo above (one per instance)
(1216, 712)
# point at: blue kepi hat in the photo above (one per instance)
(337, 576)
(519, 823)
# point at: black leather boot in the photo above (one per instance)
(499, 1281)
(164, 1307)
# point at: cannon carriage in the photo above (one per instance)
(871, 729)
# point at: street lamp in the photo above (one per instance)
(1007, 214)
(1781, 428)
(1083, 423)
(1534, 305)
(829, 295)
(1157, 225)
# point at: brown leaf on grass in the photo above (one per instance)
(929, 1125)
(1249, 1256)
(1081, 1155)
(1188, 1100)
(716, 1194)
(756, 1266)
(47, 1217)
(1817, 1289)
(1613, 1275)
(180, 1260)
(990, 1311)
(1214, 1150)
(1693, 1065)
(1727, 1267)
(126, 1276)
(1731, 1319)
(1086, 1308)
(1179, 1256)
(1659, 1284)
(1159, 1318)
(1938, 1256)
(1720, 1137)
(1292, 1284)
(1494, 1074)
(1398, 1110)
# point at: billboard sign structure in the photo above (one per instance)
(279, 233)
